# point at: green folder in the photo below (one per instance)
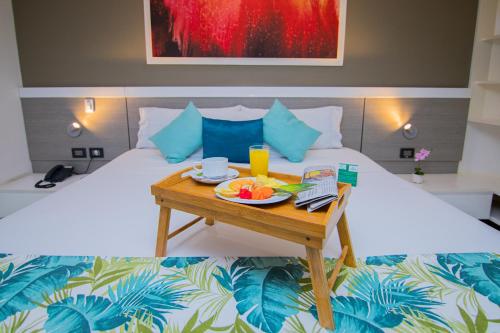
(348, 173)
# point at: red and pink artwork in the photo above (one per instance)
(290, 32)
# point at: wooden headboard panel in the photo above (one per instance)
(440, 122)
(352, 119)
(46, 120)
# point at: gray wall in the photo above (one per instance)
(13, 148)
(388, 43)
(46, 120)
(440, 123)
(372, 126)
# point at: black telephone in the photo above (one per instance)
(55, 175)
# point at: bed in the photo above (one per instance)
(83, 260)
(111, 213)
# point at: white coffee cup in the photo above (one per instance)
(213, 167)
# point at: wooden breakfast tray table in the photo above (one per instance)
(281, 220)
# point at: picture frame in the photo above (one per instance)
(155, 59)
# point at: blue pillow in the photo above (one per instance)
(182, 137)
(288, 135)
(231, 139)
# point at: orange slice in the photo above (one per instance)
(237, 184)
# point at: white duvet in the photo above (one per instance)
(111, 212)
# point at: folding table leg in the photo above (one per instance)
(337, 268)
(162, 236)
(345, 239)
(320, 287)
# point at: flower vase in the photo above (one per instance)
(417, 179)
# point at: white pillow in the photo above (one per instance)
(325, 119)
(230, 113)
(152, 120)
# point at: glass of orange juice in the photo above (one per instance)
(259, 160)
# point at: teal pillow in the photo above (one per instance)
(231, 139)
(287, 134)
(182, 137)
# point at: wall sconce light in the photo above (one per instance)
(89, 105)
(409, 131)
(74, 129)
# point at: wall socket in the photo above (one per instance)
(407, 153)
(79, 152)
(96, 152)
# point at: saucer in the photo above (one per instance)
(231, 174)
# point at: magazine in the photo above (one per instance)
(325, 191)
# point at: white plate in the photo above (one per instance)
(231, 174)
(271, 200)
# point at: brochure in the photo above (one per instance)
(325, 191)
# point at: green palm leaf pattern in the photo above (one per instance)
(200, 281)
(485, 279)
(267, 295)
(139, 295)
(224, 278)
(390, 260)
(24, 287)
(181, 262)
(480, 271)
(5, 274)
(240, 326)
(20, 323)
(356, 315)
(419, 273)
(396, 295)
(449, 292)
(262, 262)
(105, 272)
(83, 315)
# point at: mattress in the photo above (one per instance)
(112, 213)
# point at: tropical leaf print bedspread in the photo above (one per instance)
(428, 293)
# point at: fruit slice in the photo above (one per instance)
(267, 181)
(245, 194)
(226, 192)
(237, 184)
(262, 193)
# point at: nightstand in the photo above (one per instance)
(21, 192)
(476, 195)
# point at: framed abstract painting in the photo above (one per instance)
(245, 32)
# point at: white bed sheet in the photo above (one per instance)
(111, 212)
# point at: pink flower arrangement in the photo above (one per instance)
(420, 156)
